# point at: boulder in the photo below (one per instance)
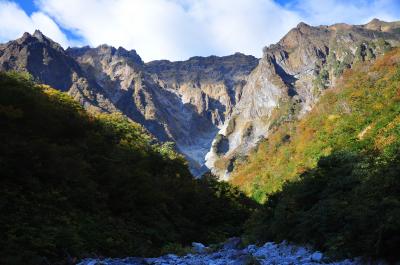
(317, 256)
(199, 248)
(232, 243)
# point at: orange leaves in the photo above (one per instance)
(383, 141)
(397, 97)
(387, 135)
(356, 95)
(390, 59)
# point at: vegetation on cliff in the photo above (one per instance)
(332, 178)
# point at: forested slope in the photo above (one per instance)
(75, 184)
(332, 178)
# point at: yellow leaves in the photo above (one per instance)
(355, 110)
(330, 122)
(356, 95)
(382, 142)
(361, 135)
(393, 124)
(327, 151)
(378, 106)
(221, 163)
(386, 135)
(333, 117)
(48, 90)
(397, 96)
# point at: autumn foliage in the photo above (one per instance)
(332, 179)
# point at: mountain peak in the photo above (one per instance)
(38, 34)
(376, 21)
(302, 25)
(380, 25)
(26, 35)
(25, 38)
(105, 50)
(42, 38)
(132, 54)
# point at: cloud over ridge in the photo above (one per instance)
(179, 29)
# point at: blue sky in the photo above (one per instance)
(178, 29)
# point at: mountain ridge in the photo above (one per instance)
(290, 78)
(186, 110)
(215, 109)
(311, 131)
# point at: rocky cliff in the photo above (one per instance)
(219, 106)
(290, 78)
(205, 91)
(183, 102)
(48, 63)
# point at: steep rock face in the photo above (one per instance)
(217, 105)
(184, 102)
(41, 57)
(207, 88)
(212, 84)
(48, 63)
(289, 79)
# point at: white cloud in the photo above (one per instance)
(156, 29)
(178, 29)
(243, 25)
(175, 29)
(319, 12)
(14, 22)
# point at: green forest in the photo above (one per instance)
(75, 184)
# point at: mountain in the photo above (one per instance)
(311, 130)
(48, 63)
(290, 78)
(331, 179)
(75, 184)
(215, 109)
(183, 102)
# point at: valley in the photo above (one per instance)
(297, 152)
(214, 109)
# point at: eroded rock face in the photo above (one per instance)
(48, 63)
(212, 84)
(208, 88)
(42, 57)
(184, 102)
(289, 80)
(219, 106)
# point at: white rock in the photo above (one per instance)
(251, 248)
(198, 247)
(317, 256)
(269, 253)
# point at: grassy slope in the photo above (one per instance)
(76, 184)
